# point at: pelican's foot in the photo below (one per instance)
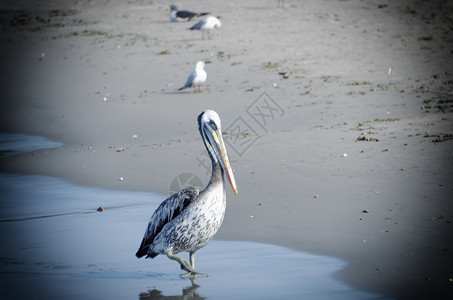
(193, 275)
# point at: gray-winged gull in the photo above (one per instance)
(197, 77)
(207, 24)
(183, 15)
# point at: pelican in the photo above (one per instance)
(189, 219)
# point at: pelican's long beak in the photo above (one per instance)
(217, 135)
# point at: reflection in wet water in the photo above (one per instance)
(190, 292)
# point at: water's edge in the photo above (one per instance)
(56, 241)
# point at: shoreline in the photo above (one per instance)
(370, 82)
(33, 163)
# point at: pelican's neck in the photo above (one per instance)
(217, 174)
(217, 170)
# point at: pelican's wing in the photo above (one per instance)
(189, 81)
(167, 211)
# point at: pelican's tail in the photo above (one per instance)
(143, 250)
(202, 14)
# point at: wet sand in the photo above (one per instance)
(351, 156)
(67, 249)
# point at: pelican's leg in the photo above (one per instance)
(186, 266)
(192, 264)
(199, 89)
(192, 259)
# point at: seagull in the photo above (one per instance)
(189, 219)
(197, 77)
(207, 24)
(183, 15)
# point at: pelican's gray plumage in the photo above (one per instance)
(189, 219)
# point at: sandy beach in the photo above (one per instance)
(351, 156)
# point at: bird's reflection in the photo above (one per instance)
(190, 292)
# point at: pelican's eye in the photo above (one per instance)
(213, 125)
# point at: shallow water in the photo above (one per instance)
(12, 144)
(56, 245)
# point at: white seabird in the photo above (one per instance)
(183, 15)
(207, 24)
(197, 77)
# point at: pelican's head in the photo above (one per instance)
(209, 125)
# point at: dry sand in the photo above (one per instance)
(101, 75)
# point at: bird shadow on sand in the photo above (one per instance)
(177, 92)
(189, 292)
(183, 92)
(162, 22)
